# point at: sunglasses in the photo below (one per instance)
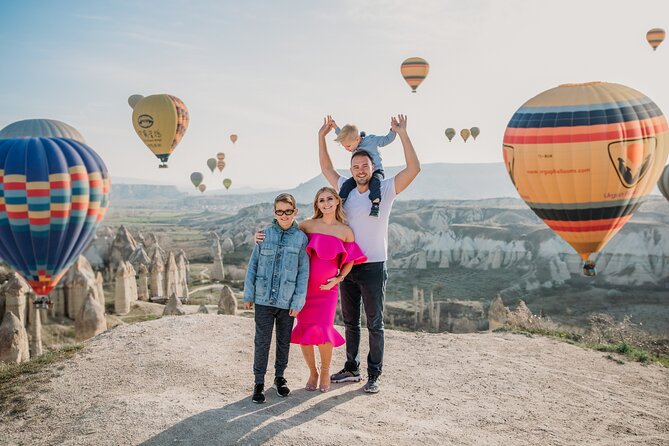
(279, 212)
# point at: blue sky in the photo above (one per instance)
(269, 71)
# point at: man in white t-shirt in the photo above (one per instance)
(366, 282)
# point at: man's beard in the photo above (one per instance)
(361, 181)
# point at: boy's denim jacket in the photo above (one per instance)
(278, 270)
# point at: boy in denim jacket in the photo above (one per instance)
(276, 281)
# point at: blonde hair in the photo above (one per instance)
(339, 212)
(285, 198)
(348, 132)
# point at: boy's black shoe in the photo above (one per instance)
(281, 387)
(374, 212)
(258, 393)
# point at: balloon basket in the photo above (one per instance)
(589, 269)
(163, 166)
(43, 302)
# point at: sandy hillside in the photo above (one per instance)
(187, 380)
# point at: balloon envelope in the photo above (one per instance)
(211, 164)
(584, 156)
(663, 182)
(160, 121)
(414, 70)
(220, 156)
(450, 133)
(227, 182)
(464, 133)
(196, 178)
(54, 193)
(202, 187)
(221, 165)
(655, 37)
(41, 128)
(475, 131)
(134, 99)
(233, 138)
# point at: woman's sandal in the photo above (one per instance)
(311, 387)
(324, 387)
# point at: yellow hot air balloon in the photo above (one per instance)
(220, 156)
(584, 157)
(220, 164)
(233, 138)
(414, 70)
(202, 187)
(160, 121)
(655, 37)
(465, 134)
(227, 183)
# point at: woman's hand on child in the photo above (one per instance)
(259, 237)
(293, 313)
(248, 305)
(328, 123)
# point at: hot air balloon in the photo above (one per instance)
(475, 131)
(196, 178)
(211, 164)
(160, 121)
(134, 99)
(663, 182)
(655, 37)
(584, 157)
(227, 183)
(41, 128)
(465, 134)
(414, 70)
(221, 165)
(450, 133)
(220, 156)
(54, 192)
(233, 138)
(202, 187)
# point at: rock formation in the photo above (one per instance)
(228, 302)
(217, 272)
(157, 278)
(143, 283)
(139, 257)
(123, 296)
(496, 313)
(34, 330)
(72, 289)
(123, 246)
(227, 245)
(90, 320)
(172, 279)
(203, 309)
(14, 346)
(16, 292)
(174, 307)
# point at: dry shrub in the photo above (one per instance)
(604, 329)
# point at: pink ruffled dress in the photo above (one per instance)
(315, 323)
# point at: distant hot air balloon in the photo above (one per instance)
(655, 37)
(450, 133)
(475, 131)
(160, 121)
(663, 182)
(233, 138)
(211, 164)
(465, 134)
(196, 178)
(202, 187)
(414, 70)
(41, 128)
(220, 164)
(227, 183)
(134, 99)
(220, 156)
(54, 193)
(584, 157)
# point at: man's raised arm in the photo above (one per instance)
(410, 172)
(327, 168)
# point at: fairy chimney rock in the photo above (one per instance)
(174, 307)
(34, 330)
(203, 309)
(90, 320)
(143, 283)
(15, 291)
(121, 291)
(157, 280)
(172, 282)
(228, 302)
(497, 313)
(122, 247)
(227, 245)
(14, 346)
(139, 257)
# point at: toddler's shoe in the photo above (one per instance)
(374, 212)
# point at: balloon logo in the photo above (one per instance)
(663, 182)
(41, 128)
(227, 182)
(414, 70)
(233, 138)
(160, 122)
(196, 178)
(450, 133)
(464, 133)
(211, 164)
(584, 157)
(655, 37)
(202, 187)
(54, 192)
(475, 131)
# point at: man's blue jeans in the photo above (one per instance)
(364, 285)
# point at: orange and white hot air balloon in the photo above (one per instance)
(584, 157)
(414, 70)
(655, 37)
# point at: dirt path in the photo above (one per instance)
(187, 380)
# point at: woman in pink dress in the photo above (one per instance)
(332, 253)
